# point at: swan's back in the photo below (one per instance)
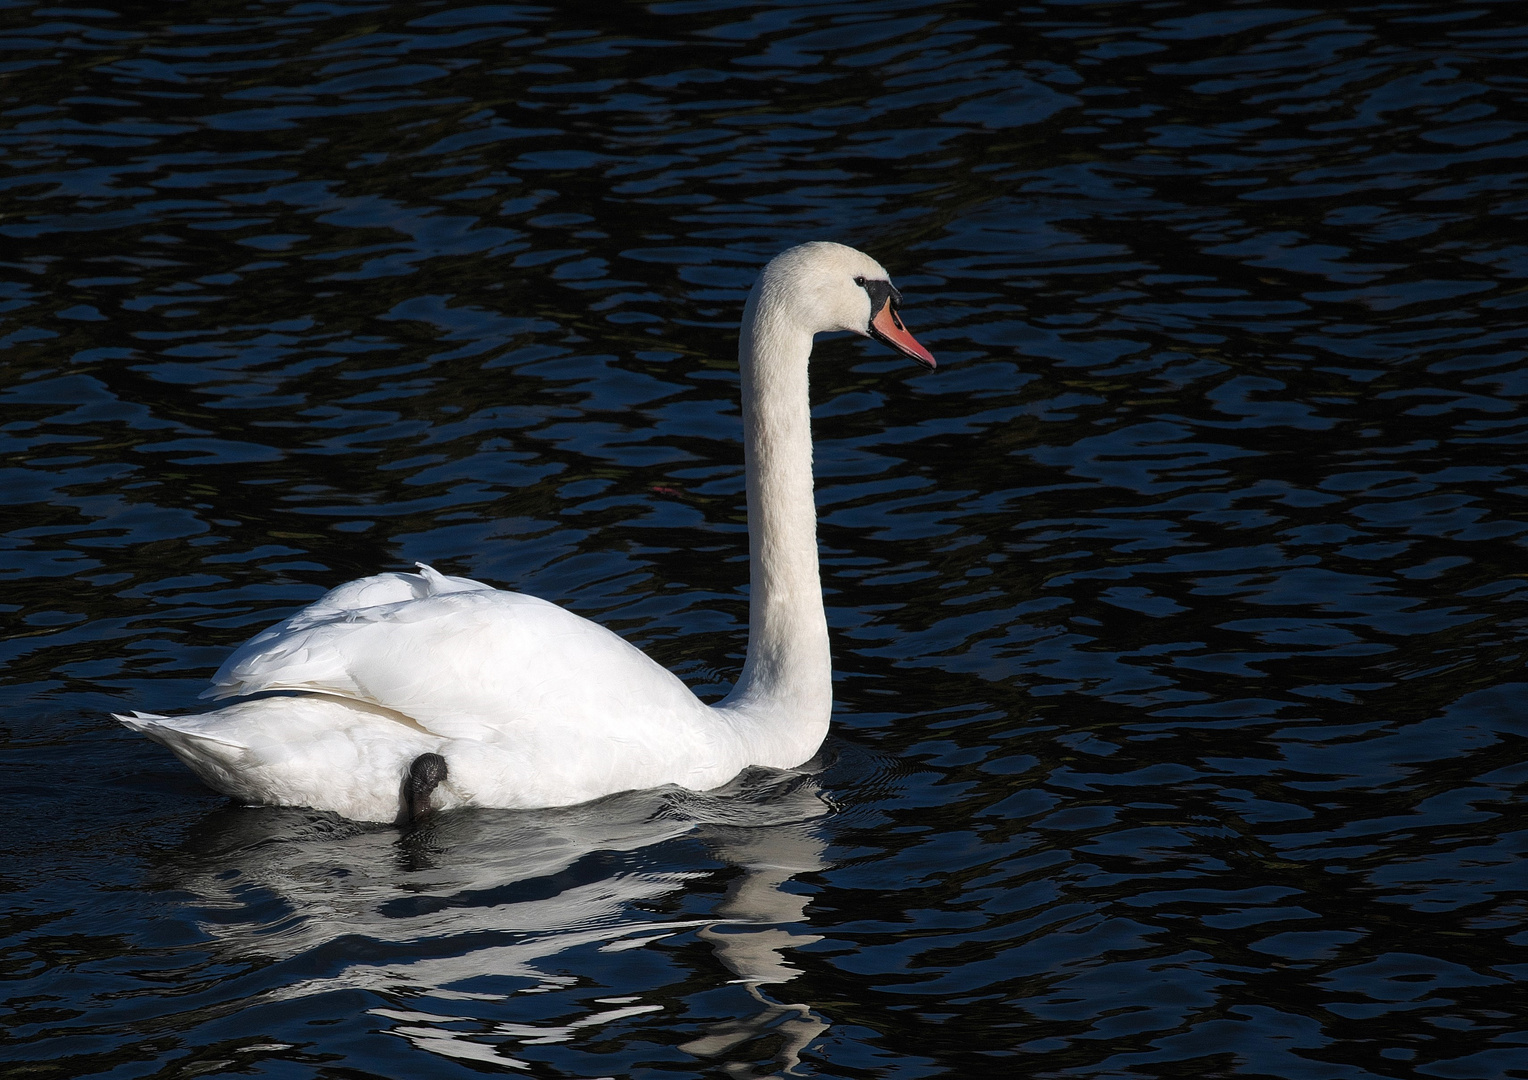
(464, 661)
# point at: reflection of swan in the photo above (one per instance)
(408, 680)
(451, 924)
(751, 938)
(563, 871)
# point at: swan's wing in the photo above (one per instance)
(389, 589)
(356, 596)
(469, 663)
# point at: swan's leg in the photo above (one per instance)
(427, 771)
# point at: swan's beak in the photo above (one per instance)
(887, 326)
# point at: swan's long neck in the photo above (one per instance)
(785, 695)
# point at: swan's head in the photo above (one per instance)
(826, 286)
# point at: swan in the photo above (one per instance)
(397, 695)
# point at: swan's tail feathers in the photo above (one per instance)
(137, 721)
(167, 731)
(218, 761)
(138, 718)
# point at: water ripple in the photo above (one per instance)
(1178, 619)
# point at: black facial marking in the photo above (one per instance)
(881, 292)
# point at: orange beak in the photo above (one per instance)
(887, 326)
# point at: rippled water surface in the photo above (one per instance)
(1179, 619)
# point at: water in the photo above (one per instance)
(1178, 619)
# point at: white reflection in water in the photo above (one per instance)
(498, 893)
(751, 936)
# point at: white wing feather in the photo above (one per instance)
(465, 660)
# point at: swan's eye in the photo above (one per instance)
(860, 281)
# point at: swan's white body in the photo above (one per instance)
(529, 704)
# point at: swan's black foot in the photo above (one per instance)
(425, 774)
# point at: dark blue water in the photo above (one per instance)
(1179, 619)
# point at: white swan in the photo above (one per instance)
(412, 692)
